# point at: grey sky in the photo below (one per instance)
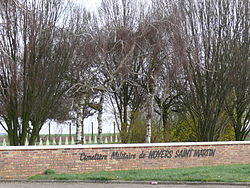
(89, 4)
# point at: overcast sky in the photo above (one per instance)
(89, 4)
(108, 120)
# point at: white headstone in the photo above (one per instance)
(72, 140)
(95, 139)
(116, 139)
(26, 142)
(60, 141)
(47, 142)
(4, 142)
(106, 140)
(66, 141)
(54, 141)
(90, 140)
(41, 142)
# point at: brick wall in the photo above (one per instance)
(22, 162)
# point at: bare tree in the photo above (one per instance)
(88, 84)
(210, 29)
(35, 54)
(160, 43)
(134, 50)
(238, 101)
(119, 58)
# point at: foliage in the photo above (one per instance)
(137, 130)
(228, 135)
(49, 172)
(183, 131)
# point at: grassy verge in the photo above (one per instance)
(228, 173)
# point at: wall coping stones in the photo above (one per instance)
(124, 145)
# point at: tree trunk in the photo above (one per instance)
(99, 120)
(24, 133)
(10, 133)
(149, 116)
(79, 121)
(34, 134)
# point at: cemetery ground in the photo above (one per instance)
(226, 173)
(89, 139)
(89, 136)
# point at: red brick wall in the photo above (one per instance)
(23, 162)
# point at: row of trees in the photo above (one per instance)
(164, 67)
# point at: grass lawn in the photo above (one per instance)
(228, 173)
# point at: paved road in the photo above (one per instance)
(99, 185)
